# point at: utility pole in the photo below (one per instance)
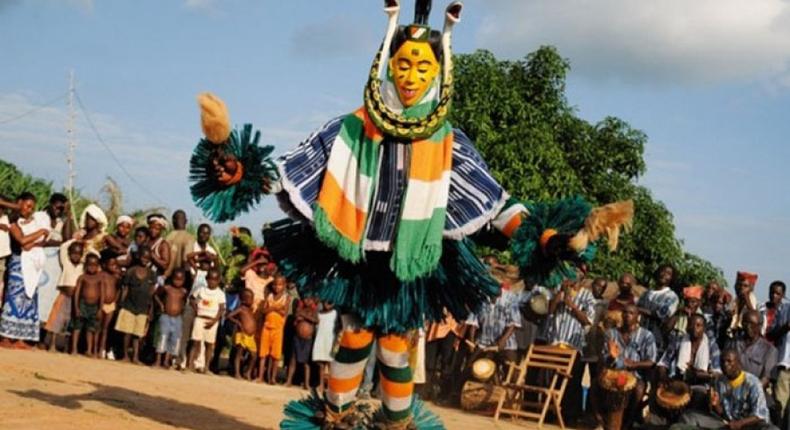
(72, 145)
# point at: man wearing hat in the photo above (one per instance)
(692, 296)
(745, 299)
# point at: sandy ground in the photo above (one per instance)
(40, 390)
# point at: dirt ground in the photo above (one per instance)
(40, 390)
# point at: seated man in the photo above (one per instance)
(680, 320)
(736, 401)
(758, 356)
(495, 323)
(692, 358)
(631, 348)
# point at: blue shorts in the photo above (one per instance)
(169, 339)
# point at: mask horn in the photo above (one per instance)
(452, 16)
(392, 9)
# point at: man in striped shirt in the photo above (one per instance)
(571, 310)
(657, 305)
(631, 348)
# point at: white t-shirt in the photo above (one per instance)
(209, 301)
(5, 239)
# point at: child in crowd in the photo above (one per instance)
(275, 308)
(60, 315)
(244, 339)
(118, 242)
(209, 305)
(257, 277)
(306, 318)
(112, 275)
(174, 294)
(137, 291)
(141, 238)
(188, 316)
(325, 340)
(202, 251)
(88, 297)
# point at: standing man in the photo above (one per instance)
(181, 242)
(770, 309)
(658, 304)
(779, 332)
(745, 299)
(160, 249)
(571, 311)
(736, 401)
(5, 239)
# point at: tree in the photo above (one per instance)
(538, 148)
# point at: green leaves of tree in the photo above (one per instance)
(538, 148)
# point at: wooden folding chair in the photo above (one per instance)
(557, 364)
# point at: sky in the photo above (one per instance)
(708, 82)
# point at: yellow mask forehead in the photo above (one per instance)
(414, 68)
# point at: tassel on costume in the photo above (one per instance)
(310, 413)
(369, 288)
(537, 243)
(222, 199)
(556, 236)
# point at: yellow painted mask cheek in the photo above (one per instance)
(414, 68)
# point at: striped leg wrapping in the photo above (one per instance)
(395, 376)
(347, 370)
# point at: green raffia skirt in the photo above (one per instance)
(370, 290)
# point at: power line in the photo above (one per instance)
(35, 109)
(112, 154)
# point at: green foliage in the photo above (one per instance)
(538, 149)
(13, 183)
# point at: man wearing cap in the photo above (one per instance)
(745, 299)
(692, 295)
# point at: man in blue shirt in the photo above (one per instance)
(736, 401)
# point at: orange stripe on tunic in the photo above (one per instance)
(429, 160)
(342, 213)
(371, 131)
(394, 343)
(356, 340)
(396, 389)
(345, 385)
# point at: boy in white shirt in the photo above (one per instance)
(209, 306)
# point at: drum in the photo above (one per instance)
(616, 387)
(483, 369)
(672, 399)
(536, 308)
(480, 397)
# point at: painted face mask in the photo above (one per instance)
(414, 68)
